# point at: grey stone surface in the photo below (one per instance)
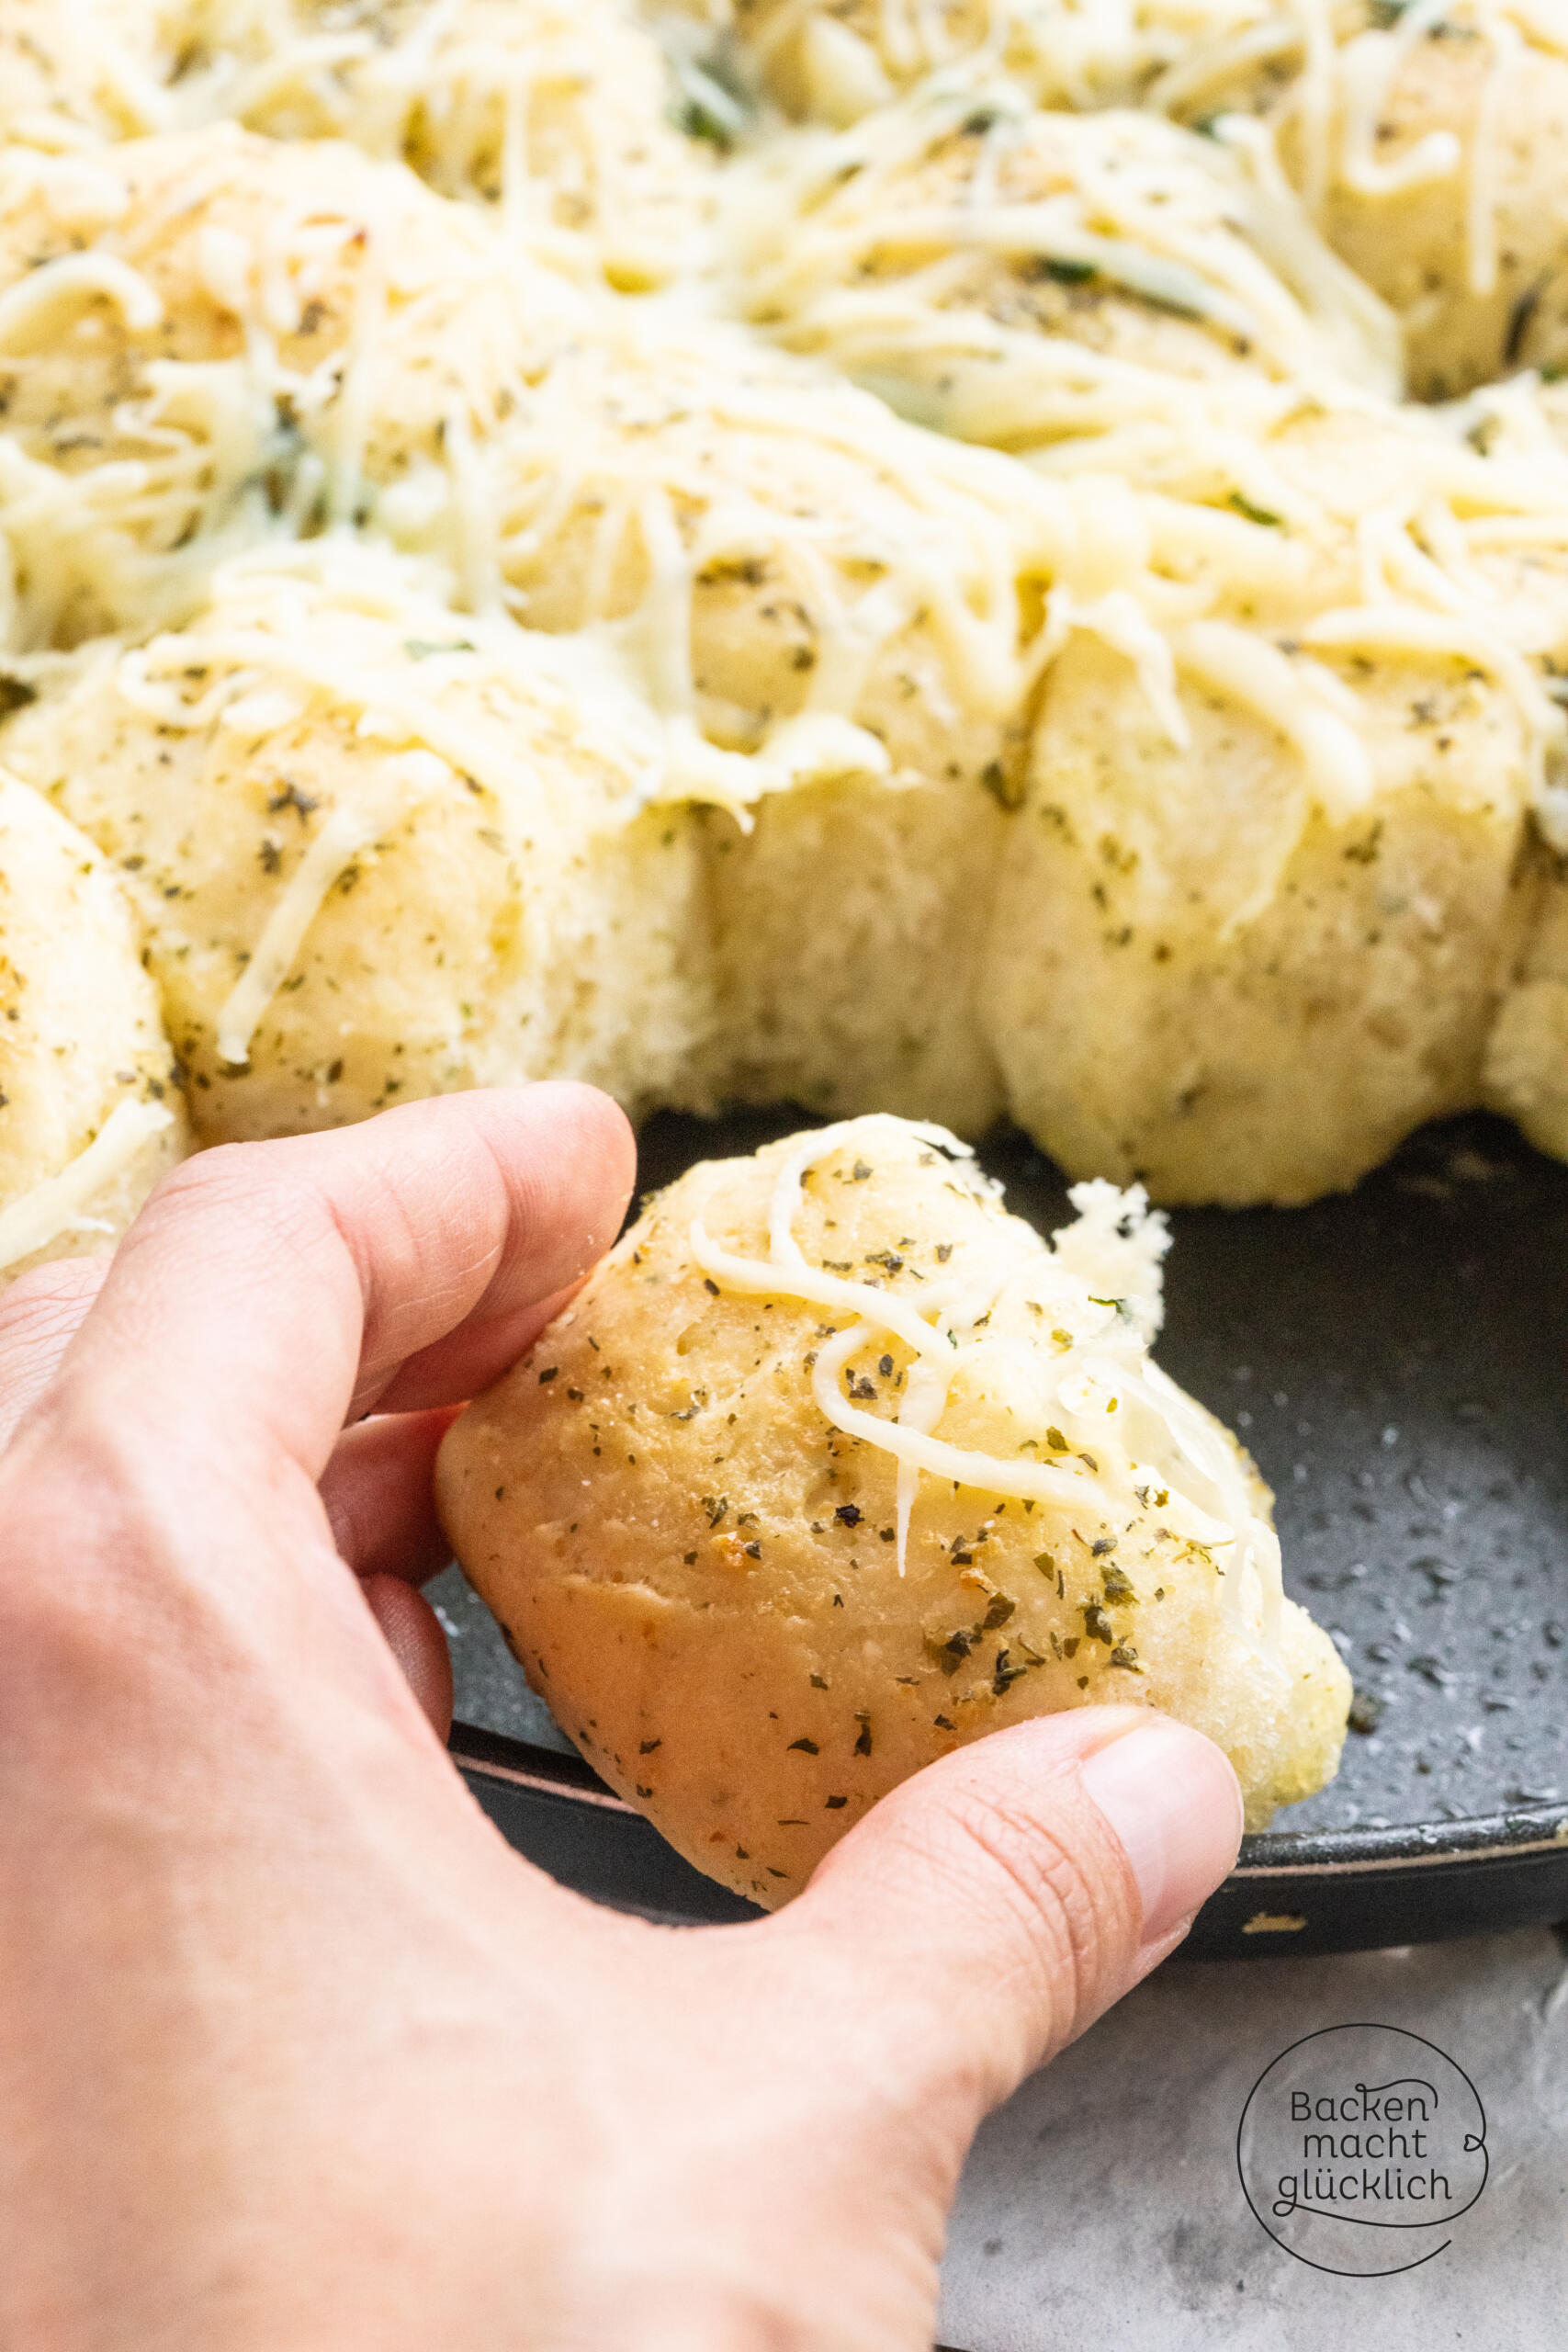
(1101, 2207)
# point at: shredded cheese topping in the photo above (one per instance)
(347, 831)
(1080, 53)
(658, 447)
(1192, 58)
(651, 432)
(1346, 76)
(944, 1326)
(1415, 551)
(555, 112)
(460, 703)
(377, 329)
(61, 1202)
(936, 203)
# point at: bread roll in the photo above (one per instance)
(383, 851)
(1203, 979)
(1525, 1074)
(1472, 258)
(209, 339)
(833, 1466)
(558, 111)
(1267, 884)
(90, 1112)
(831, 610)
(1019, 277)
(1428, 145)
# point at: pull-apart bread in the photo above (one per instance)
(834, 1466)
(1429, 143)
(834, 60)
(870, 557)
(564, 115)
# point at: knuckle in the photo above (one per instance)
(227, 1176)
(54, 1630)
(215, 1174)
(259, 1203)
(45, 1304)
(42, 1289)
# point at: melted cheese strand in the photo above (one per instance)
(1216, 65)
(30, 304)
(1178, 1431)
(1117, 620)
(1401, 629)
(350, 828)
(1362, 334)
(667, 607)
(57, 1204)
(760, 1278)
(1368, 65)
(1313, 96)
(1258, 675)
(1201, 1455)
(782, 1246)
(926, 1385)
(1028, 1481)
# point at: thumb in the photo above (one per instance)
(991, 1908)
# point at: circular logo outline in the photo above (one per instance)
(1473, 2142)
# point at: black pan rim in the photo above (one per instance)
(1449, 1268)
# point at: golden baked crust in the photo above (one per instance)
(381, 850)
(702, 1574)
(1200, 978)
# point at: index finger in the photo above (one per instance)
(269, 1292)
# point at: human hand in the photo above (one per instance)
(295, 2053)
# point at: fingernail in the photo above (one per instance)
(1174, 1805)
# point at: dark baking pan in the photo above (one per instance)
(1397, 1361)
